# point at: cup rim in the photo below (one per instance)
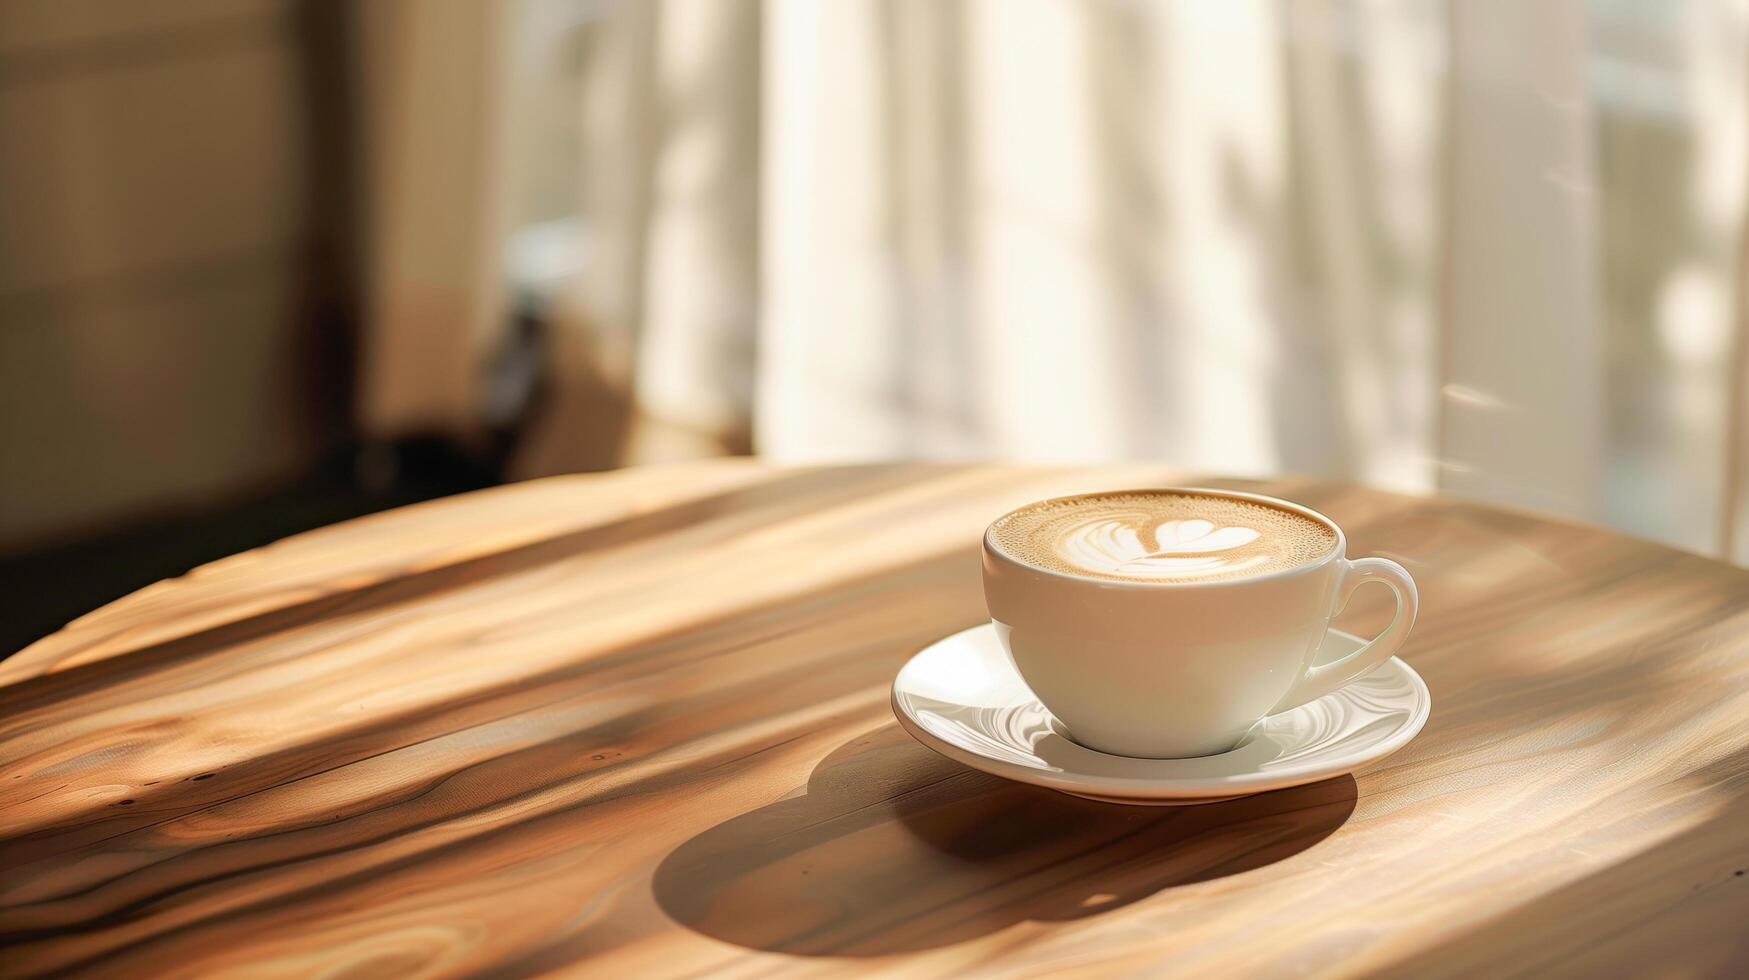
(1340, 548)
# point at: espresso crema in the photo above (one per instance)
(1161, 536)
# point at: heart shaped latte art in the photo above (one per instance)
(1181, 548)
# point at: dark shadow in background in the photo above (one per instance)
(43, 590)
(893, 848)
(54, 582)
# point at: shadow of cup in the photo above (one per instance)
(892, 848)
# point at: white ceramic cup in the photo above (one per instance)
(1180, 669)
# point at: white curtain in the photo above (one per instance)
(1486, 248)
(1093, 231)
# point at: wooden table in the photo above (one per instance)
(636, 725)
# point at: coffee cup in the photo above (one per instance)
(1166, 623)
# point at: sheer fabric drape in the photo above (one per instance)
(1484, 248)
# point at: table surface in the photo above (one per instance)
(636, 724)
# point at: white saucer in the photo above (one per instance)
(962, 697)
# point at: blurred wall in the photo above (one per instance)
(166, 330)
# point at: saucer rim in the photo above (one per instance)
(1168, 787)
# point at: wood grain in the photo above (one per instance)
(636, 725)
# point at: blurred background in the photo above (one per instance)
(267, 264)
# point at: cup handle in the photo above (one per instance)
(1323, 679)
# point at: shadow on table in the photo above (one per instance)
(892, 848)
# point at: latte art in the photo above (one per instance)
(1164, 536)
(1179, 549)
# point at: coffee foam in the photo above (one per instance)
(1161, 536)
